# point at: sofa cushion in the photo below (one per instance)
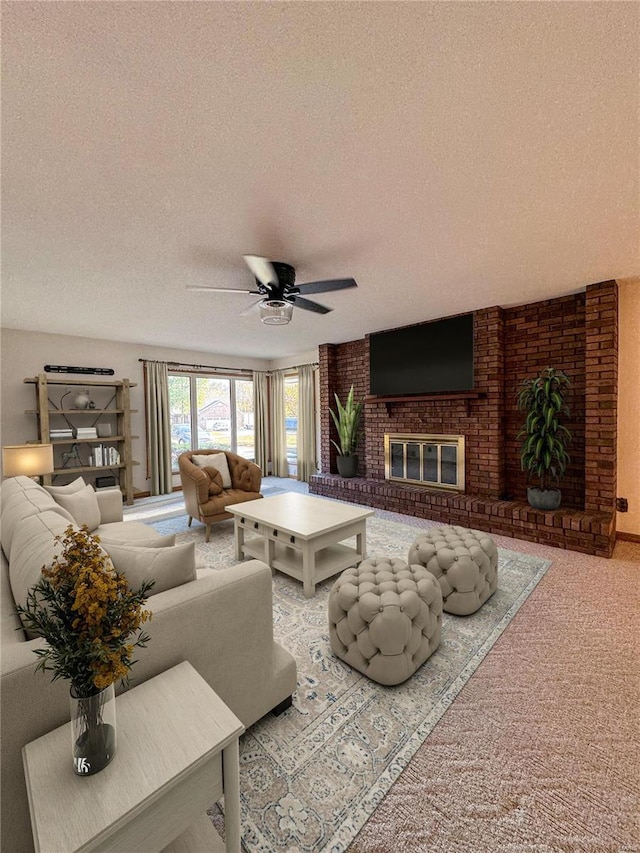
(168, 567)
(127, 532)
(83, 506)
(70, 489)
(22, 504)
(217, 461)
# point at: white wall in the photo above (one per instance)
(629, 404)
(25, 354)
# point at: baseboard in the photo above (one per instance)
(148, 494)
(628, 537)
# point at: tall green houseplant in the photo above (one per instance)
(543, 451)
(347, 423)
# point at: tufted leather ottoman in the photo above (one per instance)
(385, 618)
(465, 563)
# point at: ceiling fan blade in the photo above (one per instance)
(326, 286)
(252, 308)
(263, 270)
(203, 288)
(308, 305)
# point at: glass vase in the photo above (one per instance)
(93, 730)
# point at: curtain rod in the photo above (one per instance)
(227, 369)
(197, 366)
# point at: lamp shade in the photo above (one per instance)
(275, 312)
(31, 460)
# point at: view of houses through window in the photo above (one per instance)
(291, 420)
(211, 412)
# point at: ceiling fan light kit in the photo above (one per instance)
(276, 283)
(275, 312)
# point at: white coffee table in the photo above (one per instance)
(301, 535)
(177, 754)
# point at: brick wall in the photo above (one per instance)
(546, 334)
(601, 396)
(577, 333)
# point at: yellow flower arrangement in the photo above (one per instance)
(86, 612)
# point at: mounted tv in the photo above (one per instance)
(429, 358)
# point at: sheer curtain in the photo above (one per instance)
(307, 463)
(156, 393)
(261, 413)
(278, 430)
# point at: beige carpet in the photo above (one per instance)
(540, 750)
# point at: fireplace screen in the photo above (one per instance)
(428, 460)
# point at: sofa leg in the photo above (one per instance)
(279, 709)
(208, 533)
(190, 520)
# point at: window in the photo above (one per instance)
(210, 411)
(291, 389)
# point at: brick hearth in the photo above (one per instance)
(577, 333)
(564, 528)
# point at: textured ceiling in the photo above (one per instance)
(448, 156)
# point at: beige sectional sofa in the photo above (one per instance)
(222, 622)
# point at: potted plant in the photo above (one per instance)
(543, 452)
(86, 612)
(347, 422)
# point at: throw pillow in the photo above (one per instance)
(168, 567)
(215, 486)
(83, 506)
(218, 461)
(69, 489)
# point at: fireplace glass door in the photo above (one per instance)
(427, 460)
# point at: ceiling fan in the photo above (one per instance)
(278, 292)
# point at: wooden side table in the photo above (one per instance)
(177, 754)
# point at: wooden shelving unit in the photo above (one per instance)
(115, 408)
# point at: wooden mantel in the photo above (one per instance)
(465, 396)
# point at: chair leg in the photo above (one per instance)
(190, 520)
(208, 533)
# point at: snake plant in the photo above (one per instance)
(347, 421)
(543, 453)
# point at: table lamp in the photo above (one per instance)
(31, 460)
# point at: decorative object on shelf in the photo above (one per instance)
(60, 368)
(347, 423)
(86, 612)
(30, 460)
(82, 400)
(71, 458)
(104, 430)
(543, 453)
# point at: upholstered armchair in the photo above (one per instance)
(209, 485)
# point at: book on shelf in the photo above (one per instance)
(61, 433)
(103, 457)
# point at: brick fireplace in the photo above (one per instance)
(577, 333)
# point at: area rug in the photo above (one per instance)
(311, 778)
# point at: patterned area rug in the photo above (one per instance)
(311, 778)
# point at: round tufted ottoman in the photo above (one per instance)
(385, 618)
(465, 562)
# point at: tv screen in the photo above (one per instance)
(430, 358)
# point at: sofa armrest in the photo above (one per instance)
(110, 503)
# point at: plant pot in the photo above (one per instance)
(544, 498)
(93, 730)
(347, 465)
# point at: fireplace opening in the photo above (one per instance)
(436, 461)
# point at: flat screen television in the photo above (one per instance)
(429, 358)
